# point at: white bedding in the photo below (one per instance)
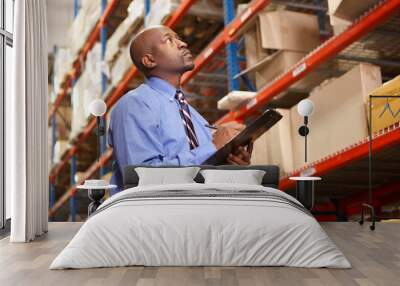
(182, 230)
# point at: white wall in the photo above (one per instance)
(60, 14)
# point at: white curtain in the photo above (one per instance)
(26, 121)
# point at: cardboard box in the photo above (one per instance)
(351, 10)
(59, 149)
(252, 47)
(79, 119)
(382, 117)
(62, 66)
(63, 121)
(275, 146)
(338, 24)
(298, 32)
(234, 98)
(343, 13)
(287, 30)
(124, 31)
(121, 66)
(339, 119)
(161, 10)
(274, 65)
(260, 155)
(88, 15)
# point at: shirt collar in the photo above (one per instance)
(162, 86)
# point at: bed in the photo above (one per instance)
(201, 224)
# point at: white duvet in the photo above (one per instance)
(185, 230)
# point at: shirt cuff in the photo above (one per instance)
(198, 155)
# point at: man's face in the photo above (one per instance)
(170, 53)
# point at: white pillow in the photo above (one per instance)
(248, 177)
(166, 176)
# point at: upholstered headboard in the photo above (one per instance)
(270, 179)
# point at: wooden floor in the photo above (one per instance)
(375, 257)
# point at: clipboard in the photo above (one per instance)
(254, 130)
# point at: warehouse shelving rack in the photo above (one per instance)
(77, 65)
(221, 40)
(69, 81)
(326, 51)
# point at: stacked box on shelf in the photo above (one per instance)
(339, 119)
(124, 31)
(162, 9)
(279, 62)
(63, 121)
(78, 121)
(79, 177)
(121, 65)
(62, 66)
(252, 47)
(275, 146)
(59, 149)
(118, 57)
(277, 41)
(386, 111)
(253, 50)
(283, 38)
(93, 69)
(86, 89)
(88, 15)
(342, 13)
(234, 98)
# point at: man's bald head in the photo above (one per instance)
(157, 50)
(142, 44)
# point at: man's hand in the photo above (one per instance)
(226, 132)
(243, 155)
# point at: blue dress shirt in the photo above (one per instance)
(146, 128)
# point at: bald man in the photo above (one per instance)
(153, 124)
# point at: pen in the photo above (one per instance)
(211, 126)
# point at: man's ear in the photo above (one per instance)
(148, 61)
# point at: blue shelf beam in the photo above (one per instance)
(76, 8)
(147, 7)
(231, 48)
(103, 41)
(72, 200)
(53, 143)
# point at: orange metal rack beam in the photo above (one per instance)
(75, 73)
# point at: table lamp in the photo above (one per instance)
(98, 108)
(96, 188)
(305, 184)
(305, 108)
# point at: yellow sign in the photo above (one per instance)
(386, 111)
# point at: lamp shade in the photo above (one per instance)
(305, 107)
(98, 107)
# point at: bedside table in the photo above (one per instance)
(95, 194)
(305, 190)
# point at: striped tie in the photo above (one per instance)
(187, 120)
